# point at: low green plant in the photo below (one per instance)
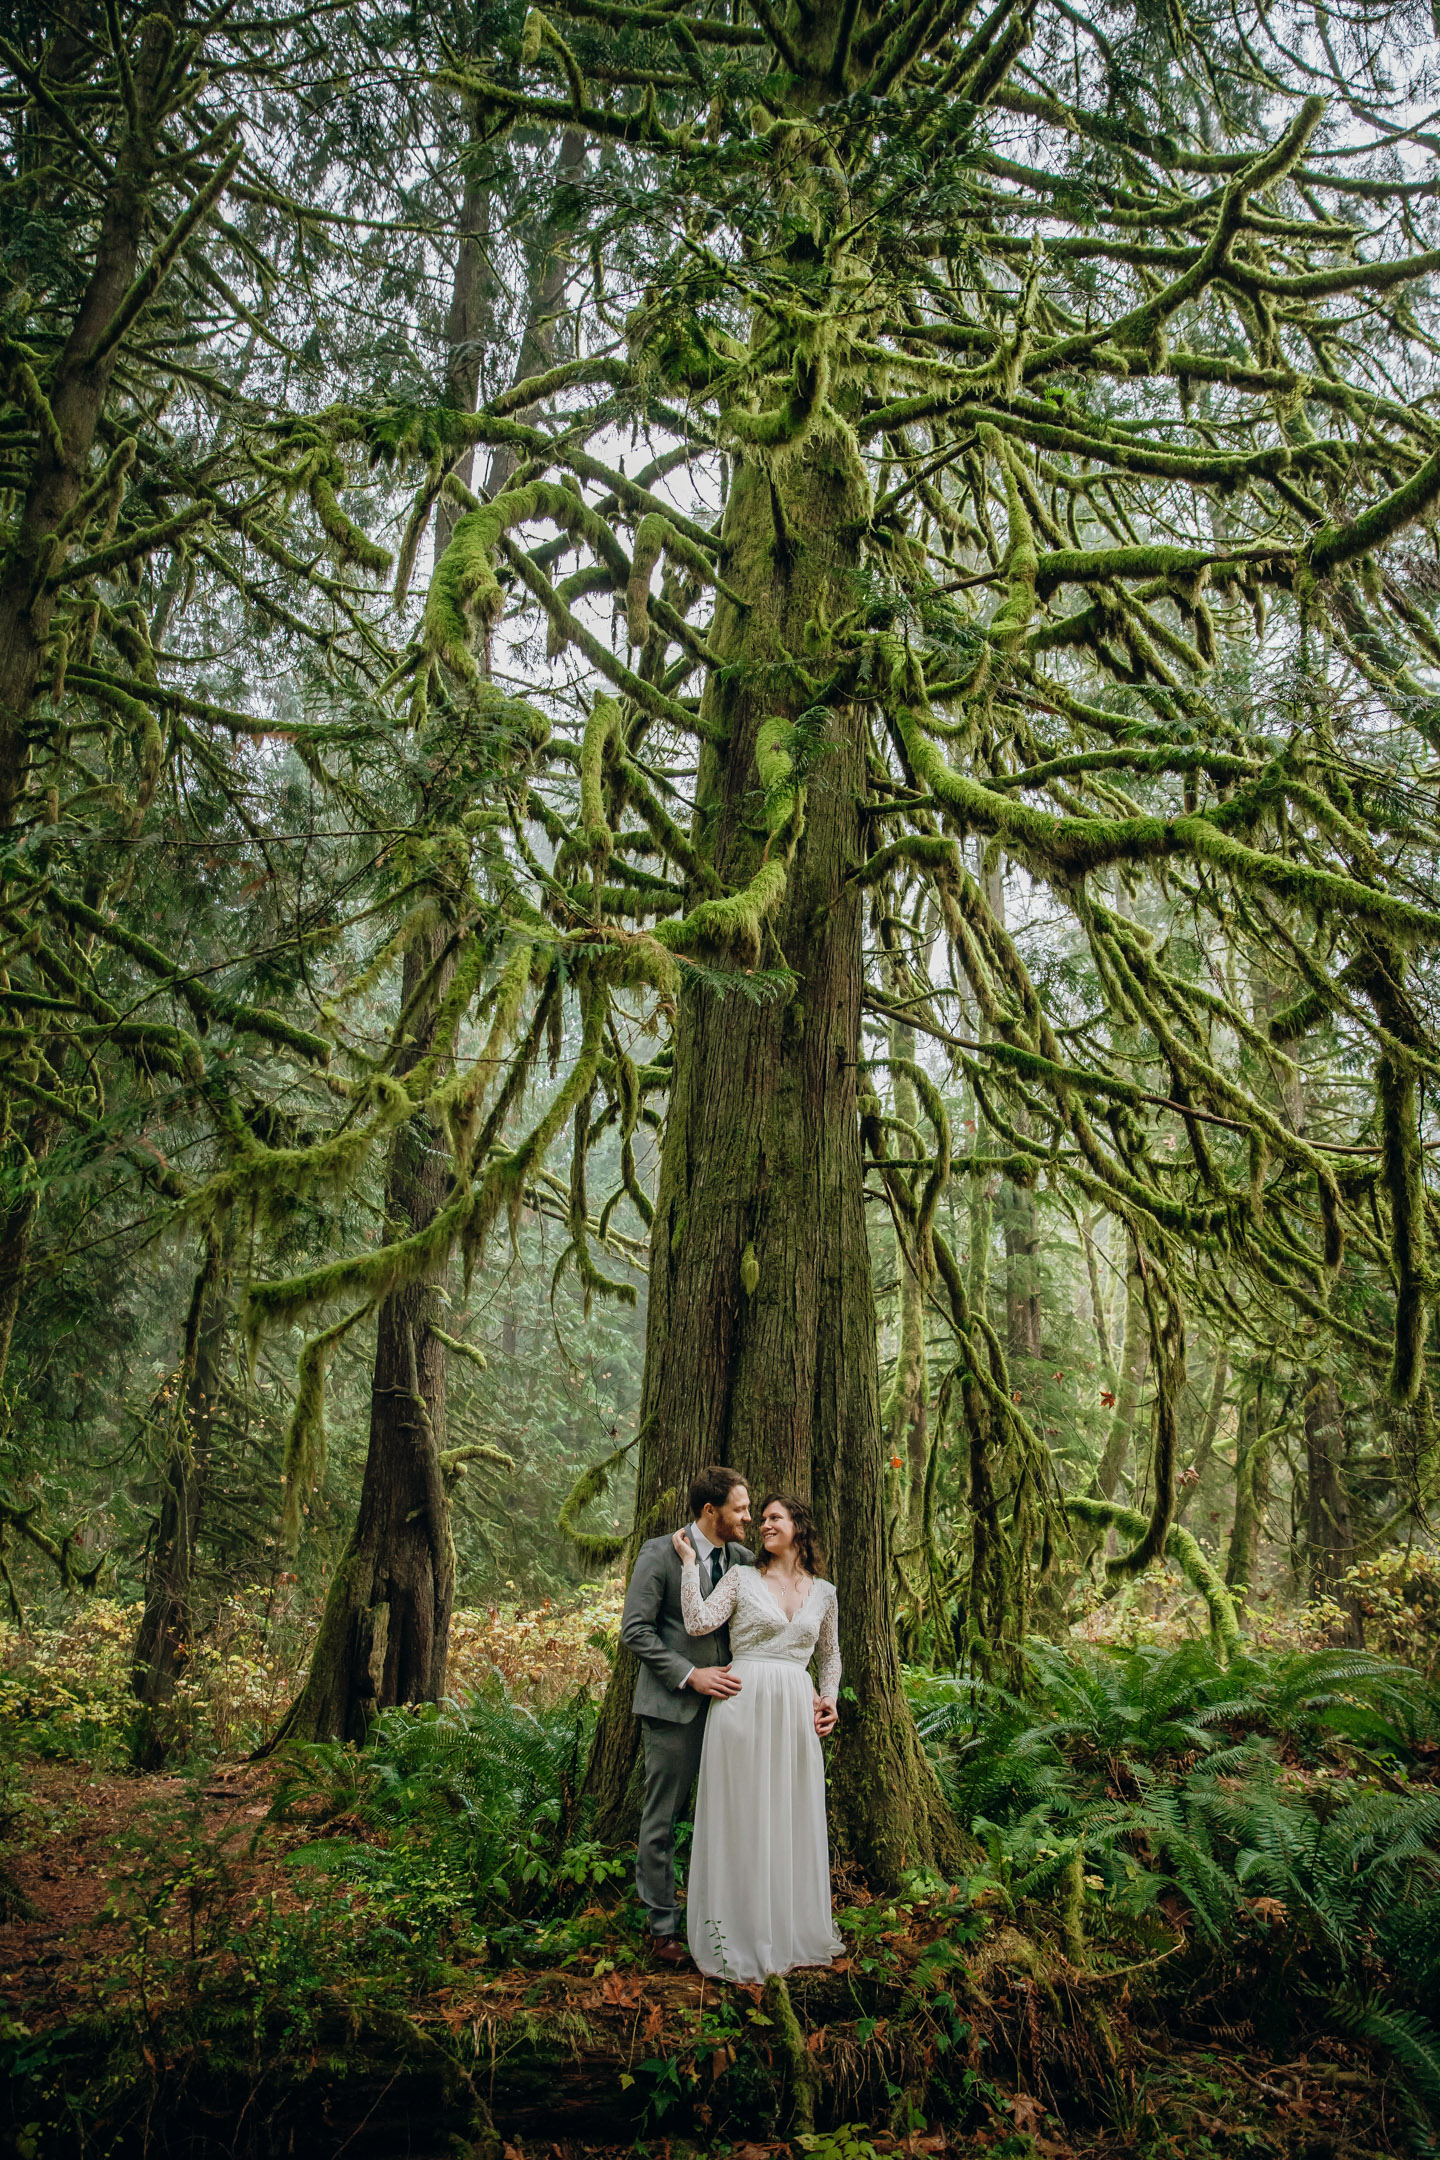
(461, 1815)
(851, 2141)
(1115, 1782)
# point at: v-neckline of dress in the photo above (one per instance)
(788, 1618)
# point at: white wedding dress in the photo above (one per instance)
(758, 1898)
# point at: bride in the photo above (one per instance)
(759, 1894)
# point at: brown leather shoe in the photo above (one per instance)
(668, 1950)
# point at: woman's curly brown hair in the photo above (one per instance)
(807, 1537)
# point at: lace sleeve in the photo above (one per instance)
(703, 1615)
(827, 1649)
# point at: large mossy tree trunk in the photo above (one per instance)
(761, 1328)
(384, 1636)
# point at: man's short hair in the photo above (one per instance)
(712, 1487)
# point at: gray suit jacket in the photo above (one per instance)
(652, 1626)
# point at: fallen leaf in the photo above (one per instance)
(1027, 2111)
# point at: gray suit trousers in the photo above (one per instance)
(672, 1764)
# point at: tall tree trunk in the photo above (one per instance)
(167, 1623)
(77, 386)
(1096, 1292)
(1252, 1495)
(1020, 1218)
(1134, 1359)
(546, 271)
(20, 1162)
(1019, 1210)
(469, 324)
(761, 1163)
(907, 1408)
(1209, 1431)
(1329, 1531)
(385, 1633)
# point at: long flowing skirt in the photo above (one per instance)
(758, 1900)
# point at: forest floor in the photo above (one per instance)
(184, 1972)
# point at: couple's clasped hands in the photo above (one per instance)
(718, 1682)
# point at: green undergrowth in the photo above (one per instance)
(1276, 1819)
(1166, 1849)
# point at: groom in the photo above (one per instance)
(680, 1675)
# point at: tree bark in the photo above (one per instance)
(468, 323)
(762, 1157)
(1024, 1319)
(1134, 1360)
(1097, 1294)
(1209, 1433)
(1329, 1531)
(907, 1409)
(547, 269)
(78, 388)
(1252, 1497)
(162, 1643)
(17, 1221)
(385, 1633)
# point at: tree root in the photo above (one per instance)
(799, 2061)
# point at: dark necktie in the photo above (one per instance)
(717, 1564)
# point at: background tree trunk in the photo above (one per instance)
(20, 1160)
(546, 271)
(1134, 1360)
(907, 1407)
(1329, 1529)
(1209, 1431)
(167, 1624)
(385, 1634)
(1252, 1494)
(1024, 1320)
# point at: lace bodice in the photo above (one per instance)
(758, 1627)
